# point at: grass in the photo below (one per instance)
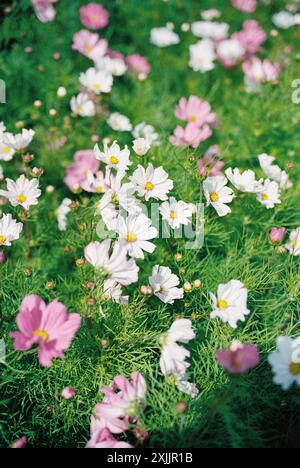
(246, 411)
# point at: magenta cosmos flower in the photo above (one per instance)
(276, 235)
(76, 173)
(191, 135)
(105, 439)
(89, 44)
(239, 358)
(251, 37)
(248, 6)
(20, 444)
(68, 393)
(44, 10)
(94, 16)
(196, 111)
(50, 327)
(138, 64)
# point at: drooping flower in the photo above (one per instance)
(276, 235)
(23, 192)
(191, 135)
(68, 393)
(61, 213)
(202, 56)
(244, 182)
(115, 266)
(248, 6)
(20, 141)
(10, 230)
(165, 285)
(94, 16)
(274, 172)
(114, 157)
(50, 327)
(195, 110)
(82, 105)
(103, 438)
(285, 362)
(269, 195)
(119, 122)
(141, 146)
(217, 194)
(152, 182)
(135, 232)
(176, 213)
(138, 64)
(293, 246)
(239, 358)
(230, 304)
(163, 37)
(89, 44)
(96, 81)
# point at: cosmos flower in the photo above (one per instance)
(119, 122)
(95, 183)
(210, 29)
(269, 194)
(96, 81)
(229, 52)
(251, 37)
(248, 6)
(258, 72)
(164, 285)
(50, 327)
(68, 393)
(10, 230)
(135, 232)
(163, 37)
(82, 105)
(114, 157)
(103, 438)
(94, 16)
(152, 182)
(89, 44)
(217, 194)
(23, 192)
(209, 164)
(113, 291)
(284, 20)
(273, 171)
(239, 358)
(119, 195)
(111, 66)
(18, 142)
(44, 10)
(202, 56)
(293, 246)
(230, 304)
(285, 362)
(138, 64)
(141, 146)
(6, 153)
(20, 444)
(76, 174)
(195, 110)
(147, 132)
(61, 213)
(276, 235)
(176, 213)
(244, 182)
(191, 135)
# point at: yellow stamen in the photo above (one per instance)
(222, 304)
(131, 237)
(22, 198)
(149, 186)
(99, 188)
(2, 239)
(192, 118)
(114, 160)
(173, 215)
(214, 197)
(88, 48)
(96, 86)
(295, 368)
(41, 333)
(264, 197)
(6, 150)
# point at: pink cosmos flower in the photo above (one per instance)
(276, 235)
(239, 358)
(138, 64)
(44, 10)
(114, 54)
(20, 444)
(50, 327)
(248, 6)
(77, 173)
(260, 71)
(103, 438)
(94, 16)
(209, 166)
(251, 37)
(68, 393)
(191, 135)
(89, 44)
(123, 400)
(195, 110)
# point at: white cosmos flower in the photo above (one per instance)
(119, 195)
(202, 56)
(119, 122)
(273, 171)
(285, 362)
(163, 37)
(135, 232)
(114, 157)
(152, 182)
(116, 67)
(269, 196)
(148, 132)
(61, 213)
(230, 304)
(96, 81)
(293, 246)
(141, 146)
(245, 181)
(185, 386)
(10, 230)
(164, 284)
(230, 50)
(82, 105)
(284, 20)
(6, 153)
(18, 142)
(176, 213)
(113, 291)
(94, 183)
(218, 194)
(210, 29)
(116, 266)
(23, 192)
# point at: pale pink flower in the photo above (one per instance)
(89, 44)
(191, 135)
(195, 110)
(260, 71)
(276, 235)
(20, 444)
(251, 37)
(50, 327)
(248, 6)
(94, 16)
(239, 358)
(138, 64)
(68, 393)
(44, 10)
(209, 165)
(114, 54)
(103, 438)
(77, 172)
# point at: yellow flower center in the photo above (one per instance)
(214, 197)
(192, 118)
(114, 160)
(88, 48)
(41, 333)
(131, 237)
(222, 304)
(99, 188)
(294, 243)
(173, 215)
(149, 186)
(22, 198)
(96, 86)
(264, 197)
(2, 239)
(295, 368)
(6, 149)
(79, 109)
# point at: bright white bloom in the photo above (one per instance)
(202, 56)
(284, 20)
(23, 192)
(285, 362)
(273, 171)
(176, 213)
(218, 194)
(18, 142)
(96, 81)
(135, 232)
(185, 386)
(141, 146)
(152, 183)
(230, 304)
(173, 357)
(113, 291)
(114, 157)
(164, 284)
(6, 153)
(269, 196)
(148, 132)
(244, 182)
(163, 37)
(119, 122)
(10, 230)
(119, 195)
(116, 67)
(230, 50)
(109, 217)
(293, 246)
(116, 266)
(82, 105)
(61, 213)
(210, 14)
(94, 183)
(210, 29)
